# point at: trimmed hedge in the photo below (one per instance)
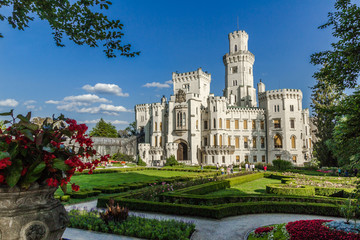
(226, 210)
(281, 190)
(219, 185)
(216, 200)
(84, 194)
(115, 170)
(334, 192)
(108, 190)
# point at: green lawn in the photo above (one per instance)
(88, 181)
(254, 187)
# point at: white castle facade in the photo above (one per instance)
(199, 128)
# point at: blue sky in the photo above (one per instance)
(172, 36)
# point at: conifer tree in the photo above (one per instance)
(104, 129)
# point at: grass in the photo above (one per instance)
(88, 181)
(254, 187)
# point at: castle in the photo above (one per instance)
(199, 128)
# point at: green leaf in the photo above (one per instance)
(22, 118)
(14, 173)
(4, 155)
(48, 149)
(30, 126)
(34, 173)
(60, 164)
(7, 113)
(14, 151)
(27, 134)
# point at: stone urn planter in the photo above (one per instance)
(31, 214)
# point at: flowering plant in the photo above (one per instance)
(38, 153)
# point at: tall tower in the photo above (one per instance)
(239, 79)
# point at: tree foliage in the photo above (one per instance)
(325, 98)
(141, 162)
(345, 143)
(341, 64)
(171, 161)
(78, 20)
(104, 129)
(128, 131)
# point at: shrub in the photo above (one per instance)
(281, 189)
(123, 157)
(141, 162)
(281, 165)
(114, 213)
(171, 161)
(65, 198)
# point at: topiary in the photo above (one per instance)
(281, 165)
(171, 161)
(141, 162)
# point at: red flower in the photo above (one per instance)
(262, 230)
(75, 187)
(5, 162)
(23, 172)
(52, 182)
(2, 178)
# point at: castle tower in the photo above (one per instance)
(239, 79)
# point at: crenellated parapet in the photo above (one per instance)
(191, 76)
(236, 109)
(281, 94)
(239, 56)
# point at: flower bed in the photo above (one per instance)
(133, 226)
(307, 229)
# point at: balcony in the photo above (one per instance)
(218, 150)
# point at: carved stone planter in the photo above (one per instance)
(33, 214)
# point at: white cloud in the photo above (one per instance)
(157, 85)
(169, 82)
(52, 102)
(105, 109)
(116, 122)
(105, 88)
(9, 103)
(30, 106)
(29, 102)
(86, 98)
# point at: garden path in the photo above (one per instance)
(206, 229)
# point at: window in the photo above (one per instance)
(277, 141)
(234, 69)
(292, 123)
(278, 157)
(220, 123)
(223, 159)
(214, 140)
(262, 141)
(274, 108)
(213, 159)
(291, 108)
(246, 144)
(236, 124)
(294, 159)
(214, 109)
(214, 126)
(293, 142)
(186, 87)
(160, 141)
(156, 113)
(249, 70)
(235, 48)
(309, 142)
(254, 142)
(183, 119)
(205, 125)
(237, 158)
(263, 158)
(197, 124)
(277, 123)
(205, 141)
(262, 125)
(156, 141)
(234, 82)
(255, 158)
(305, 130)
(246, 158)
(237, 141)
(220, 140)
(160, 126)
(245, 124)
(278, 108)
(229, 141)
(253, 124)
(228, 123)
(155, 126)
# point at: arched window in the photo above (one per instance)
(178, 120)
(293, 142)
(220, 140)
(155, 126)
(220, 123)
(214, 126)
(235, 48)
(277, 141)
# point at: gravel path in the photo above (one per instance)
(206, 229)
